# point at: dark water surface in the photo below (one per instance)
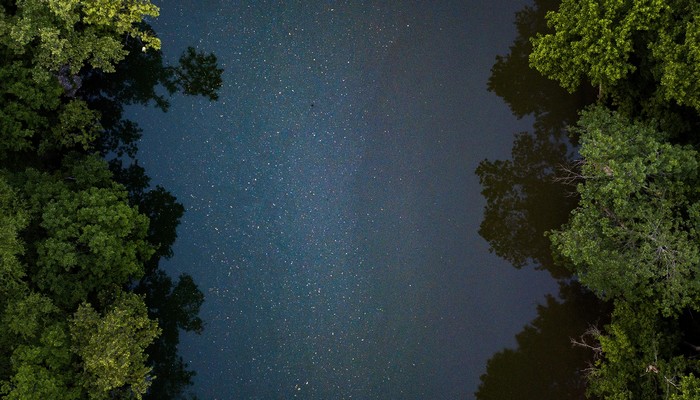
(333, 212)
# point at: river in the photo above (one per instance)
(333, 210)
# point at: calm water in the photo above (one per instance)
(333, 211)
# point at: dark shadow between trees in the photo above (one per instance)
(144, 78)
(546, 365)
(524, 200)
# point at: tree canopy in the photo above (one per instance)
(634, 232)
(593, 40)
(642, 55)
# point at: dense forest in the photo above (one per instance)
(85, 309)
(628, 170)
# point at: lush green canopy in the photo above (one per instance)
(611, 43)
(634, 234)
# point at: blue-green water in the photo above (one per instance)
(332, 206)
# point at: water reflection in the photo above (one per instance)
(526, 91)
(545, 365)
(144, 78)
(523, 199)
(523, 202)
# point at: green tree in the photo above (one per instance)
(633, 238)
(689, 388)
(12, 273)
(112, 346)
(642, 55)
(75, 33)
(70, 236)
(87, 235)
(45, 46)
(642, 356)
(593, 40)
(635, 232)
(41, 357)
(26, 109)
(77, 126)
(13, 219)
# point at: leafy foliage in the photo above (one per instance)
(634, 233)
(643, 357)
(75, 33)
(633, 239)
(644, 52)
(593, 40)
(94, 239)
(26, 104)
(112, 346)
(13, 218)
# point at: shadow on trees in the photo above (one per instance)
(144, 78)
(546, 365)
(524, 200)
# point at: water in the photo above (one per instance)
(333, 212)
